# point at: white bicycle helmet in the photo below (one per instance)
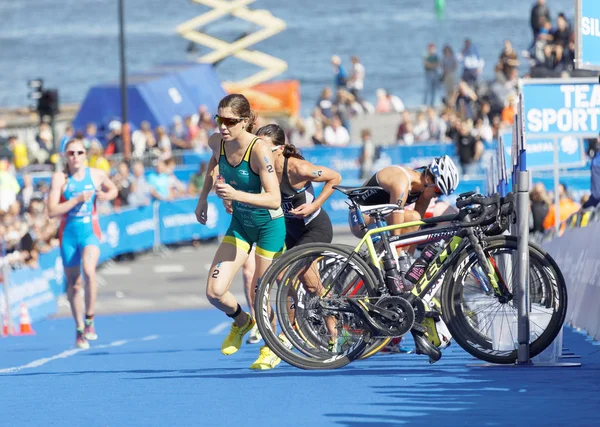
(446, 174)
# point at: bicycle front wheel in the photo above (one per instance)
(292, 288)
(486, 327)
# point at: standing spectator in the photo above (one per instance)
(9, 187)
(115, 139)
(469, 149)
(176, 187)
(179, 133)
(539, 11)
(421, 129)
(142, 139)
(367, 155)
(19, 152)
(436, 126)
(594, 199)
(395, 102)
(325, 105)
(540, 203)
(507, 62)
(122, 180)
(449, 75)
(164, 142)
(140, 193)
(566, 205)
(97, 159)
(26, 193)
(383, 104)
(431, 63)
(357, 79)
(464, 100)
(160, 182)
(90, 136)
(336, 134)
(46, 143)
(341, 77)
(69, 133)
(472, 63)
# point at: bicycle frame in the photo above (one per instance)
(460, 240)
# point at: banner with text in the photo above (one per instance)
(587, 34)
(556, 107)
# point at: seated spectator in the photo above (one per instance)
(336, 134)
(197, 180)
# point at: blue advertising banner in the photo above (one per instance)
(540, 152)
(52, 269)
(555, 107)
(130, 230)
(587, 33)
(346, 160)
(178, 220)
(28, 286)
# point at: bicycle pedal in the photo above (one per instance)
(424, 346)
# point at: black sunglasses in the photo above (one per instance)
(227, 121)
(72, 153)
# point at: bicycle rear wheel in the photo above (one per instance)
(289, 287)
(487, 328)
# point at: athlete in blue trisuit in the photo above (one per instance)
(73, 195)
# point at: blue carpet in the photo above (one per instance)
(167, 369)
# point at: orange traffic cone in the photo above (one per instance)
(25, 321)
(5, 331)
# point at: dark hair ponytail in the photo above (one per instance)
(277, 135)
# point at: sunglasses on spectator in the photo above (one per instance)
(72, 153)
(227, 121)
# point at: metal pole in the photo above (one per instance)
(123, 81)
(556, 184)
(523, 266)
(6, 273)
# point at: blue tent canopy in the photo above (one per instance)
(156, 96)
